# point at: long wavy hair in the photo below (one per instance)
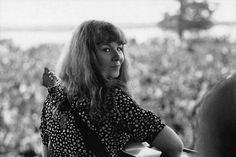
(78, 64)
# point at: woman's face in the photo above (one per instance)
(110, 58)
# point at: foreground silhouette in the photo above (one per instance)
(217, 121)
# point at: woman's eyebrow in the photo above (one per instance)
(103, 44)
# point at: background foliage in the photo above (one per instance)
(167, 77)
(192, 15)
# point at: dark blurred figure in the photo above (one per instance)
(217, 121)
(28, 153)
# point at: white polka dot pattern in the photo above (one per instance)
(123, 122)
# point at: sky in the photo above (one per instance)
(30, 13)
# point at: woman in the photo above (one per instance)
(93, 74)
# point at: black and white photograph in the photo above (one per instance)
(117, 78)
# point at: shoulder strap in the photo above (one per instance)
(90, 138)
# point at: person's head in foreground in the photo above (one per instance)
(217, 121)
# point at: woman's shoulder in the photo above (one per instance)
(122, 97)
(119, 91)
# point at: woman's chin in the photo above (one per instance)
(113, 75)
(116, 75)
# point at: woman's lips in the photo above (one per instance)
(116, 64)
(116, 67)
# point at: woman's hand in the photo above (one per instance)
(49, 79)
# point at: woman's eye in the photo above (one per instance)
(120, 49)
(106, 49)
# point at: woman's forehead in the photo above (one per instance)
(108, 36)
(113, 43)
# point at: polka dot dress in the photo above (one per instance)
(125, 121)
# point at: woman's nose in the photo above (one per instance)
(117, 55)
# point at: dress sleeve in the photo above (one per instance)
(142, 124)
(43, 125)
(55, 94)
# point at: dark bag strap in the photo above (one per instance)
(91, 140)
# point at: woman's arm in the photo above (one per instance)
(168, 142)
(45, 152)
